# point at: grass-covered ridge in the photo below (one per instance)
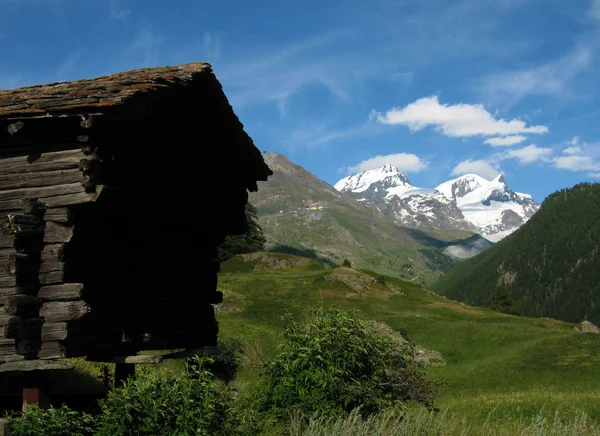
(498, 367)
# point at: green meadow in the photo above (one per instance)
(499, 370)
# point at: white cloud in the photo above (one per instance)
(594, 175)
(405, 162)
(574, 141)
(572, 150)
(480, 167)
(576, 163)
(459, 120)
(501, 141)
(530, 154)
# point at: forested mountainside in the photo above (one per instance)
(551, 265)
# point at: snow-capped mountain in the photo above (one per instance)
(376, 183)
(469, 202)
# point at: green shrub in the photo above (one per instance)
(224, 366)
(51, 422)
(347, 263)
(333, 363)
(161, 403)
(380, 279)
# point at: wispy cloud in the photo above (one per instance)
(550, 78)
(595, 9)
(486, 169)
(273, 75)
(458, 120)
(405, 162)
(67, 68)
(211, 48)
(505, 141)
(145, 48)
(315, 135)
(117, 12)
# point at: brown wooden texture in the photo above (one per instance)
(46, 178)
(58, 215)
(57, 311)
(63, 292)
(51, 196)
(20, 305)
(56, 232)
(52, 350)
(54, 331)
(41, 162)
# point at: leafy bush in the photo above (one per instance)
(224, 366)
(161, 403)
(333, 363)
(51, 422)
(347, 263)
(380, 279)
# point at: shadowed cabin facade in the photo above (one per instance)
(114, 194)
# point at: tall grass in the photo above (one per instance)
(423, 422)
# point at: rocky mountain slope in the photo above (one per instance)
(302, 214)
(549, 265)
(470, 202)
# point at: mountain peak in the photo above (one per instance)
(500, 179)
(376, 180)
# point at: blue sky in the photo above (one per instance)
(438, 88)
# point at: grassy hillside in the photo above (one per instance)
(300, 211)
(550, 265)
(497, 367)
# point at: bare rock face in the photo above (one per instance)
(588, 327)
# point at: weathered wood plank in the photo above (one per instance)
(3, 293)
(29, 347)
(58, 215)
(54, 331)
(41, 162)
(7, 281)
(64, 292)
(59, 311)
(23, 328)
(6, 239)
(52, 253)
(34, 180)
(7, 349)
(11, 358)
(55, 232)
(3, 315)
(51, 270)
(51, 196)
(22, 305)
(7, 341)
(52, 273)
(52, 350)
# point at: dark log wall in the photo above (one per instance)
(120, 255)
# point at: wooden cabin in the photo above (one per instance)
(114, 195)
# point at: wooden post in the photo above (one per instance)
(35, 396)
(122, 372)
(32, 393)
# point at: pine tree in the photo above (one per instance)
(251, 241)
